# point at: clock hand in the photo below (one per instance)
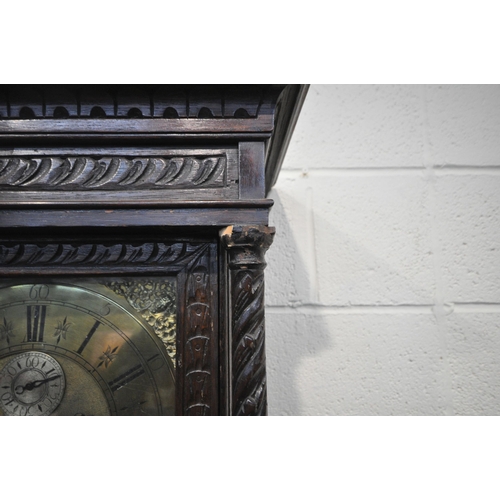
(33, 385)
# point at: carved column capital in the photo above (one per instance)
(246, 247)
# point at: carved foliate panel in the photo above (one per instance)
(198, 362)
(88, 173)
(20, 257)
(172, 174)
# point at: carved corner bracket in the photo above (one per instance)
(246, 247)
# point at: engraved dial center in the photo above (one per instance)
(30, 386)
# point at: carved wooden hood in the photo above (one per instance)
(145, 114)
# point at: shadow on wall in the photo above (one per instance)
(289, 338)
(325, 357)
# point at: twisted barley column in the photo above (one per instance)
(246, 247)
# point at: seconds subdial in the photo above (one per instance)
(31, 384)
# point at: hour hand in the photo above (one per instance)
(33, 385)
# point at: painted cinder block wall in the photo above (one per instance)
(383, 282)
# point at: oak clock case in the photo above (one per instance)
(99, 182)
(87, 346)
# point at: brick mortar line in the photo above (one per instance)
(460, 308)
(439, 170)
(387, 309)
(311, 238)
(440, 308)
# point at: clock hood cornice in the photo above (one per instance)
(153, 114)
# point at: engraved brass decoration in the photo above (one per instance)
(156, 302)
(71, 346)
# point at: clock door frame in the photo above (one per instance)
(194, 263)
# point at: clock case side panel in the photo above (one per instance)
(194, 262)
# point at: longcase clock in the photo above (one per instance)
(134, 224)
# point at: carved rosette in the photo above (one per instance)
(246, 247)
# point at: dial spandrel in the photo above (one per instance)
(104, 337)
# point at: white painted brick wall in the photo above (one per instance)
(383, 283)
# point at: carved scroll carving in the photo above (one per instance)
(85, 173)
(246, 247)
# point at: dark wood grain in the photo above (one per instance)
(146, 125)
(105, 102)
(251, 161)
(131, 218)
(197, 341)
(287, 113)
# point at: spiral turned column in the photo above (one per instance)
(246, 247)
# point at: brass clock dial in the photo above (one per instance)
(79, 348)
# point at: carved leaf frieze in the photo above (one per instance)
(86, 173)
(84, 255)
(199, 343)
